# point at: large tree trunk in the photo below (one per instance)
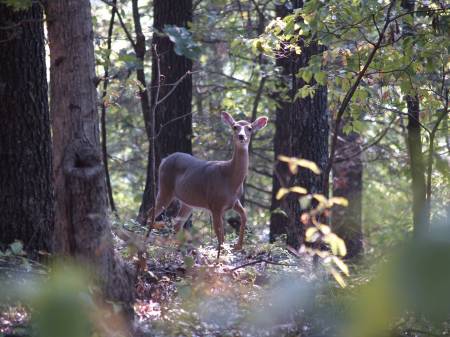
(301, 130)
(416, 160)
(173, 119)
(82, 228)
(26, 196)
(347, 183)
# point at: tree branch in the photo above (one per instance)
(349, 95)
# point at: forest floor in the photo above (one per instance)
(187, 291)
(263, 290)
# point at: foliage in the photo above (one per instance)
(183, 42)
(17, 5)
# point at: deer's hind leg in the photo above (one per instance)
(218, 229)
(243, 214)
(163, 200)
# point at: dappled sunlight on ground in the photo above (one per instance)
(189, 291)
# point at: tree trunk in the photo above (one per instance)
(417, 167)
(416, 160)
(301, 130)
(26, 194)
(173, 118)
(347, 183)
(82, 228)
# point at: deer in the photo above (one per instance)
(215, 186)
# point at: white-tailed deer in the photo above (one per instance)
(212, 185)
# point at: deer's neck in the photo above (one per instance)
(238, 166)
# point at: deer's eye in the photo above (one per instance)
(249, 129)
(235, 127)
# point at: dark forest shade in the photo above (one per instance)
(301, 130)
(347, 183)
(173, 119)
(26, 198)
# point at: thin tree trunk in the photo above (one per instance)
(417, 168)
(173, 114)
(301, 130)
(104, 107)
(416, 160)
(26, 193)
(347, 183)
(147, 111)
(82, 228)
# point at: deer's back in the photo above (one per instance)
(194, 181)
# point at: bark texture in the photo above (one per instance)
(173, 118)
(26, 196)
(347, 183)
(301, 130)
(82, 228)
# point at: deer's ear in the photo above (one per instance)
(227, 119)
(260, 123)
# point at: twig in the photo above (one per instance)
(367, 146)
(251, 263)
(175, 85)
(122, 24)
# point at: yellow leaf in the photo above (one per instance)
(281, 193)
(320, 198)
(293, 167)
(309, 233)
(331, 240)
(342, 249)
(299, 190)
(309, 165)
(339, 201)
(338, 277)
(284, 158)
(325, 229)
(341, 265)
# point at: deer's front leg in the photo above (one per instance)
(243, 214)
(183, 214)
(218, 229)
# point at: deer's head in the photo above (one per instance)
(243, 130)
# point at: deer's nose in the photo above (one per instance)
(241, 137)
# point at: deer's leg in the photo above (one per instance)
(243, 214)
(162, 201)
(183, 214)
(218, 229)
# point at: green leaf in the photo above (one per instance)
(184, 45)
(321, 77)
(16, 248)
(307, 75)
(17, 5)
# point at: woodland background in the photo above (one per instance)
(95, 93)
